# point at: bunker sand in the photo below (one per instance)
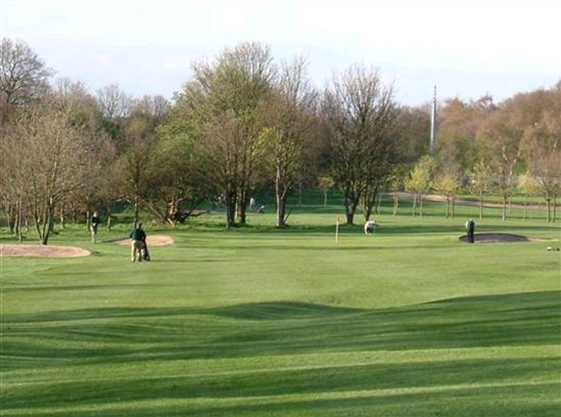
(152, 240)
(496, 237)
(43, 251)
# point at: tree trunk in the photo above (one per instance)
(414, 204)
(89, 220)
(61, 217)
(504, 207)
(281, 210)
(324, 199)
(453, 206)
(300, 193)
(11, 215)
(19, 231)
(421, 204)
(369, 206)
(136, 210)
(44, 225)
(480, 205)
(350, 209)
(525, 207)
(395, 203)
(378, 202)
(281, 193)
(243, 201)
(230, 202)
(447, 206)
(548, 209)
(554, 209)
(109, 217)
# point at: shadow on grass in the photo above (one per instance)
(125, 336)
(138, 334)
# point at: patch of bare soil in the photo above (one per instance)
(43, 251)
(496, 237)
(152, 240)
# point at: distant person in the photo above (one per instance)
(369, 227)
(138, 237)
(252, 203)
(470, 228)
(261, 209)
(94, 223)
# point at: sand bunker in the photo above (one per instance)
(496, 237)
(43, 251)
(152, 240)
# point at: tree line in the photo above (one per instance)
(245, 122)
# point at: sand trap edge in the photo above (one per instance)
(153, 240)
(496, 238)
(43, 251)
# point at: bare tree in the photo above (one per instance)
(23, 74)
(52, 161)
(113, 102)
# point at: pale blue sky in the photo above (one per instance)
(468, 48)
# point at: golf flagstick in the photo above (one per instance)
(337, 230)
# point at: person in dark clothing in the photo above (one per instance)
(138, 237)
(94, 223)
(470, 227)
(145, 253)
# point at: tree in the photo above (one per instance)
(175, 184)
(481, 182)
(528, 186)
(114, 103)
(132, 165)
(447, 183)
(325, 183)
(359, 114)
(420, 181)
(412, 133)
(397, 184)
(289, 125)
(52, 161)
(542, 145)
(499, 138)
(23, 74)
(223, 103)
(459, 122)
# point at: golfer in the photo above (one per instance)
(94, 223)
(369, 227)
(138, 237)
(470, 228)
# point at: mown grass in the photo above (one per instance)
(264, 322)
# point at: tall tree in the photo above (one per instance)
(481, 182)
(420, 181)
(23, 74)
(53, 157)
(223, 102)
(289, 121)
(499, 138)
(542, 146)
(359, 113)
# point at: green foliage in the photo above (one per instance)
(326, 183)
(421, 177)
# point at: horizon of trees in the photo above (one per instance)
(246, 122)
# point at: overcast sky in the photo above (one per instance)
(469, 49)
